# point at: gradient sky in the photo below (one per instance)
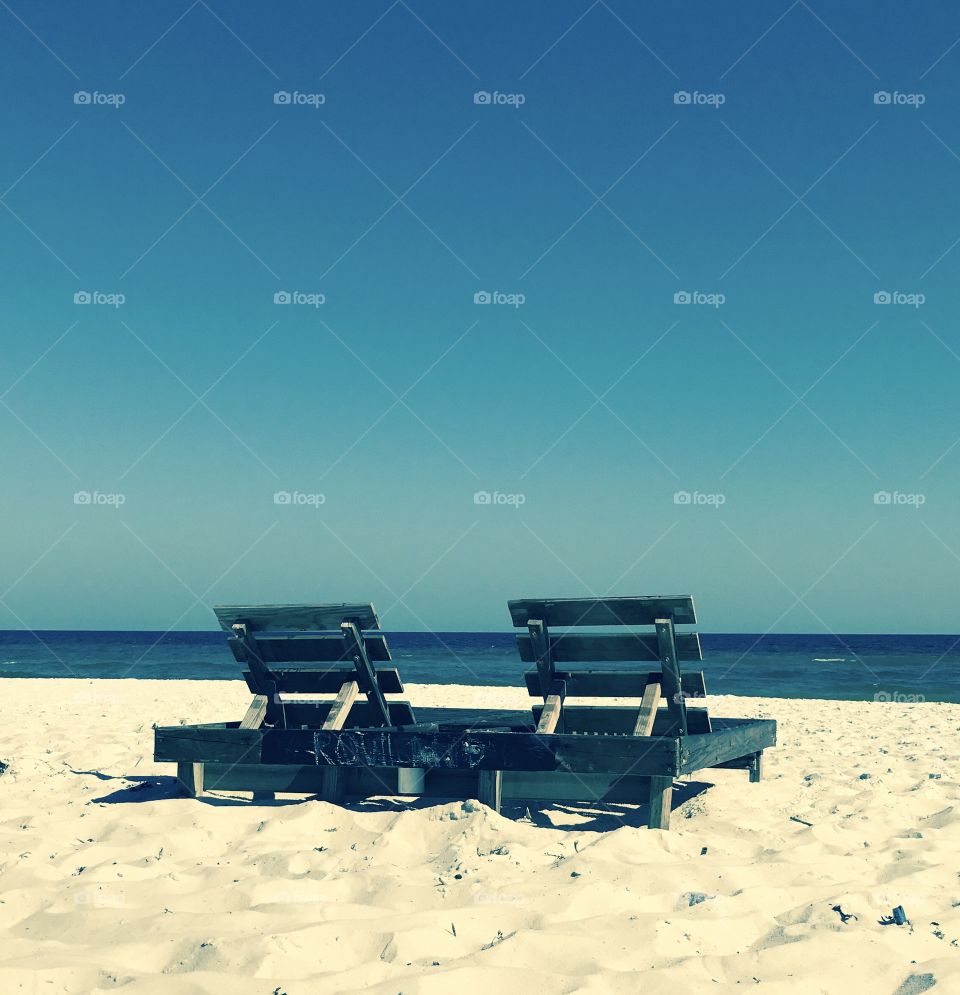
(595, 195)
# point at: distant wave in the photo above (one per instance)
(829, 659)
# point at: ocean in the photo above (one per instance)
(847, 667)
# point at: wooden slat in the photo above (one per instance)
(474, 750)
(648, 710)
(670, 683)
(256, 712)
(539, 637)
(340, 709)
(729, 740)
(621, 720)
(263, 681)
(286, 618)
(591, 647)
(310, 648)
(604, 611)
(549, 714)
(366, 675)
(190, 777)
(197, 744)
(614, 683)
(361, 716)
(329, 680)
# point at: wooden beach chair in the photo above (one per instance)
(569, 752)
(302, 650)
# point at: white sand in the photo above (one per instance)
(161, 894)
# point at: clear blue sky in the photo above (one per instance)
(586, 185)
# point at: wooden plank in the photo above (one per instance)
(756, 768)
(549, 715)
(729, 740)
(648, 710)
(340, 709)
(614, 683)
(590, 647)
(366, 675)
(288, 618)
(603, 611)
(314, 713)
(310, 648)
(670, 682)
(197, 744)
(190, 776)
(539, 637)
(473, 750)
(489, 788)
(256, 712)
(263, 681)
(621, 720)
(329, 680)
(660, 799)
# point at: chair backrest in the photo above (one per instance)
(308, 642)
(664, 645)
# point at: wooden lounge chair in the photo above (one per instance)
(569, 752)
(303, 650)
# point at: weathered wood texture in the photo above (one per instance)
(474, 750)
(614, 683)
(660, 799)
(621, 720)
(256, 712)
(310, 648)
(603, 611)
(490, 788)
(730, 739)
(590, 647)
(670, 682)
(328, 681)
(290, 618)
(190, 778)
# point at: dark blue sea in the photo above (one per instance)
(854, 667)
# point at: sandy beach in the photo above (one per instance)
(109, 882)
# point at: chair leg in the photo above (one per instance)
(756, 768)
(334, 785)
(190, 777)
(489, 788)
(661, 796)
